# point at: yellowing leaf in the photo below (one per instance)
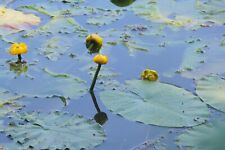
(14, 21)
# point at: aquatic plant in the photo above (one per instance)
(18, 49)
(94, 43)
(150, 75)
(100, 60)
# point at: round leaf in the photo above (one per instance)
(156, 103)
(48, 84)
(55, 131)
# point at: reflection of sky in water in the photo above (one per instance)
(121, 133)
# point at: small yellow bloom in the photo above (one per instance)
(150, 75)
(18, 48)
(94, 43)
(100, 59)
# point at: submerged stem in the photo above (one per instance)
(95, 101)
(95, 78)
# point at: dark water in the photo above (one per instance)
(121, 134)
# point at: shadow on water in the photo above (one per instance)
(18, 68)
(100, 117)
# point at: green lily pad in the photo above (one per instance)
(105, 73)
(105, 16)
(193, 57)
(185, 13)
(211, 90)
(68, 1)
(149, 10)
(59, 24)
(55, 47)
(222, 43)
(212, 10)
(130, 41)
(155, 144)
(8, 103)
(55, 130)
(48, 84)
(6, 97)
(204, 137)
(201, 57)
(156, 103)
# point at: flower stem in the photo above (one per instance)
(95, 78)
(19, 58)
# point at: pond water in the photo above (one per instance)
(184, 41)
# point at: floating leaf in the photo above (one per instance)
(155, 144)
(178, 14)
(69, 87)
(211, 62)
(6, 97)
(204, 137)
(222, 43)
(212, 10)
(59, 24)
(105, 16)
(105, 73)
(55, 130)
(55, 47)
(156, 103)
(132, 42)
(68, 1)
(211, 90)
(40, 9)
(149, 10)
(193, 57)
(7, 102)
(13, 21)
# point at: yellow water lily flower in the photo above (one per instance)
(150, 75)
(100, 59)
(18, 49)
(94, 43)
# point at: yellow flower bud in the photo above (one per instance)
(18, 48)
(100, 59)
(150, 75)
(94, 43)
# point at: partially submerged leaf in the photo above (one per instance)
(156, 103)
(56, 130)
